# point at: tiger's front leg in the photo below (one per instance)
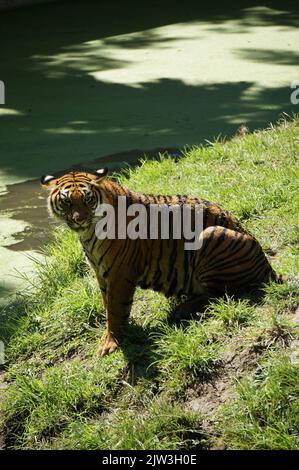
(118, 301)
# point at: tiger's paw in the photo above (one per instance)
(108, 346)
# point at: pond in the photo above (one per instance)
(88, 80)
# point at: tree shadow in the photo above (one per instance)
(281, 57)
(72, 128)
(164, 113)
(60, 113)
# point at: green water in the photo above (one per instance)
(85, 79)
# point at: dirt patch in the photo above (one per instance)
(206, 398)
(295, 316)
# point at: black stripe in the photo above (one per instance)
(206, 211)
(89, 240)
(222, 220)
(241, 278)
(234, 262)
(227, 251)
(172, 259)
(172, 288)
(172, 272)
(104, 254)
(157, 277)
(211, 236)
(131, 199)
(247, 279)
(93, 243)
(187, 270)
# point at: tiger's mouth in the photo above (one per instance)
(78, 226)
(73, 219)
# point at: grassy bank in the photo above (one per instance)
(229, 379)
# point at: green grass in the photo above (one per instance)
(265, 414)
(62, 395)
(160, 425)
(187, 353)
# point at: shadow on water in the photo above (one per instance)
(28, 202)
(281, 57)
(59, 115)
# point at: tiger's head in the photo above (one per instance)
(75, 196)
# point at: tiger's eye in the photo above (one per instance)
(89, 197)
(65, 199)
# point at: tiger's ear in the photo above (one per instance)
(102, 172)
(48, 181)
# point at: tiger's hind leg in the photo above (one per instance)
(230, 261)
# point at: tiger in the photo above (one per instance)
(230, 259)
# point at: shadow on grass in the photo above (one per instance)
(5, 291)
(139, 349)
(196, 308)
(11, 313)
